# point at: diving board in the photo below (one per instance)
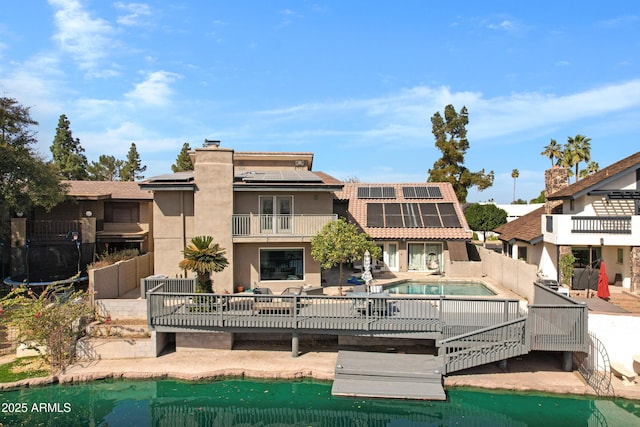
(388, 375)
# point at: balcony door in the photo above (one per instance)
(276, 214)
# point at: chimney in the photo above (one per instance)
(211, 143)
(555, 179)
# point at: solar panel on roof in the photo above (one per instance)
(411, 215)
(422, 192)
(430, 215)
(374, 215)
(280, 176)
(393, 215)
(376, 193)
(448, 215)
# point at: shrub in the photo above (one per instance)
(107, 258)
(54, 319)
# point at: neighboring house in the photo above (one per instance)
(419, 226)
(522, 238)
(516, 211)
(596, 219)
(261, 207)
(96, 216)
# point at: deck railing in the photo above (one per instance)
(599, 224)
(179, 285)
(491, 344)
(250, 225)
(559, 328)
(171, 311)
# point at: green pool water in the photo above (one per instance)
(300, 403)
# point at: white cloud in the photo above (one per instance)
(155, 90)
(405, 115)
(85, 38)
(136, 14)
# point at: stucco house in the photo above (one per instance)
(263, 208)
(96, 216)
(420, 227)
(596, 219)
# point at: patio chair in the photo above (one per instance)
(263, 291)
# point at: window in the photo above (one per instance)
(620, 258)
(522, 253)
(281, 264)
(584, 258)
(121, 212)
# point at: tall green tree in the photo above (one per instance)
(26, 180)
(132, 167)
(576, 150)
(451, 139)
(183, 161)
(203, 256)
(340, 242)
(540, 199)
(514, 174)
(107, 168)
(67, 152)
(553, 151)
(485, 217)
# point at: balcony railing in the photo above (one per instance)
(597, 224)
(40, 230)
(249, 225)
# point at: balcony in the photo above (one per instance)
(590, 230)
(47, 230)
(280, 226)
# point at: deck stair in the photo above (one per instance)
(388, 375)
(486, 345)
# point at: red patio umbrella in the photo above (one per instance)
(603, 283)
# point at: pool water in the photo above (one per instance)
(467, 288)
(299, 403)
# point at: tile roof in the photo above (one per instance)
(526, 228)
(358, 211)
(586, 183)
(126, 190)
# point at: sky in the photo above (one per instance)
(355, 82)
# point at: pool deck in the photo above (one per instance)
(537, 372)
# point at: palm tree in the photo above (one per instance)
(592, 167)
(203, 256)
(579, 151)
(514, 174)
(553, 150)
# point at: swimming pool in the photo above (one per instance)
(236, 402)
(439, 287)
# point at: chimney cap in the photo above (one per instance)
(211, 143)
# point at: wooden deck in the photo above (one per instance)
(469, 331)
(388, 375)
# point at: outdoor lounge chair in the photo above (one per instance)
(620, 371)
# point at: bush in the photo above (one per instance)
(53, 320)
(107, 258)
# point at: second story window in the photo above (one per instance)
(126, 212)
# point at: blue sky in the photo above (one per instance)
(355, 82)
